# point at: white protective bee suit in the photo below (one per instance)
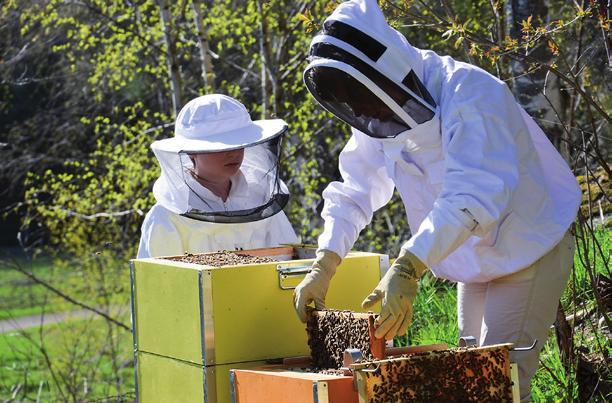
(189, 218)
(487, 196)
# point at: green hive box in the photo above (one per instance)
(191, 320)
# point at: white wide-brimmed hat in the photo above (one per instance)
(216, 122)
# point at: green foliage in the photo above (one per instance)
(116, 48)
(551, 382)
(106, 41)
(84, 206)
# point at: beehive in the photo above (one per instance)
(164, 379)
(480, 374)
(204, 316)
(426, 373)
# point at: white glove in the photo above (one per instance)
(397, 289)
(315, 284)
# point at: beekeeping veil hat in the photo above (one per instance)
(366, 73)
(217, 123)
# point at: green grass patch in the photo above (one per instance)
(579, 292)
(21, 296)
(551, 383)
(79, 360)
(435, 314)
(94, 282)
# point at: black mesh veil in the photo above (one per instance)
(354, 90)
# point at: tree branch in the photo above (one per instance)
(68, 298)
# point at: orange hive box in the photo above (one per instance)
(280, 384)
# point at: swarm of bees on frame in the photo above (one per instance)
(461, 375)
(333, 331)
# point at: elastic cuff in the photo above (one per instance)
(414, 260)
(329, 256)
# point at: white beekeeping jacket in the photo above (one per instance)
(486, 194)
(165, 233)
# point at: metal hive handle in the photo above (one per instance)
(287, 272)
(535, 342)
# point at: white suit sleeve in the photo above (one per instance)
(481, 130)
(159, 236)
(350, 204)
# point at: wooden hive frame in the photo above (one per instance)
(479, 374)
(363, 323)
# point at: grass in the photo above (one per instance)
(72, 361)
(579, 286)
(21, 296)
(75, 360)
(551, 383)
(435, 314)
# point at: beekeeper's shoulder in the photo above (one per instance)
(159, 216)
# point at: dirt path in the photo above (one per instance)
(25, 322)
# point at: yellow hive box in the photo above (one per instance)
(166, 380)
(233, 315)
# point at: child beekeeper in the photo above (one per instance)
(219, 187)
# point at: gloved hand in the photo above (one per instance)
(315, 284)
(397, 289)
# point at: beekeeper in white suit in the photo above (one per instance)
(219, 187)
(488, 199)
